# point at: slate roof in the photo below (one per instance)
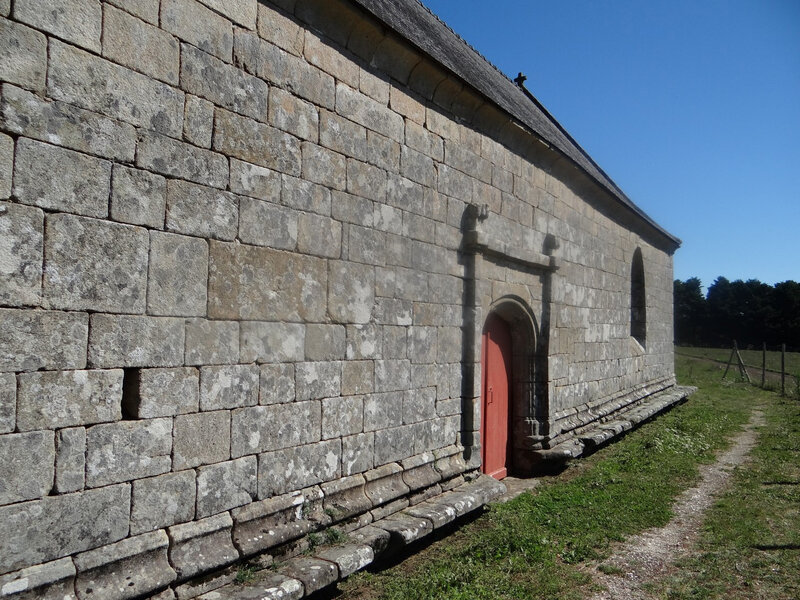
(418, 25)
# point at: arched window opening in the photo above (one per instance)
(638, 299)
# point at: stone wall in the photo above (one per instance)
(236, 295)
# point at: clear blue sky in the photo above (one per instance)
(691, 106)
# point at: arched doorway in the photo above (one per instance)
(496, 382)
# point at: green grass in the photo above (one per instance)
(750, 543)
(533, 546)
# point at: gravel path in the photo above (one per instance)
(650, 554)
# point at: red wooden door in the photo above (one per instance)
(496, 384)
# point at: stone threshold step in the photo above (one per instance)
(596, 434)
(303, 575)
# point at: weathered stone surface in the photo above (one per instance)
(34, 340)
(201, 439)
(76, 522)
(202, 546)
(324, 342)
(394, 443)
(174, 158)
(51, 580)
(364, 341)
(276, 384)
(352, 209)
(284, 32)
(202, 211)
(272, 342)
(366, 180)
(55, 399)
(21, 254)
(164, 393)
(358, 453)
(241, 12)
(82, 185)
(198, 121)
(23, 55)
(94, 265)
(266, 224)
(251, 283)
(314, 380)
(8, 402)
(135, 341)
(295, 116)
(262, 428)
(168, 295)
(147, 10)
(70, 459)
(255, 181)
(162, 501)
(383, 152)
(419, 405)
(26, 471)
(263, 145)
(223, 84)
(267, 586)
(194, 23)
(267, 523)
(77, 21)
(382, 411)
(138, 197)
(130, 42)
(313, 572)
(211, 342)
(392, 375)
(342, 135)
(142, 560)
(369, 113)
(351, 292)
(320, 236)
(329, 59)
(128, 450)
(6, 161)
(304, 195)
(226, 485)
(406, 528)
(349, 558)
(324, 166)
(342, 416)
(358, 377)
(91, 82)
(228, 386)
(65, 125)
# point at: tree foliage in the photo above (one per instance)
(750, 312)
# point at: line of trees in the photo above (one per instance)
(750, 312)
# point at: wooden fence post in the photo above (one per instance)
(783, 369)
(763, 364)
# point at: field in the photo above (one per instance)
(547, 543)
(752, 358)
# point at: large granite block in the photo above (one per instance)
(21, 254)
(95, 265)
(81, 187)
(23, 55)
(138, 197)
(228, 386)
(173, 158)
(77, 21)
(168, 295)
(26, 471)
(202, 211)
(251, 283)
(201, 439)
(202, 546)
(128, 450)
(135, 341)
(199, 26)
(46, 529)
(56, 399)
(163, 393)
(66, 125)
(263, 145)
(39, 339)
(162, 501)
(261, 428)
(226, 485)
(94, 83)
